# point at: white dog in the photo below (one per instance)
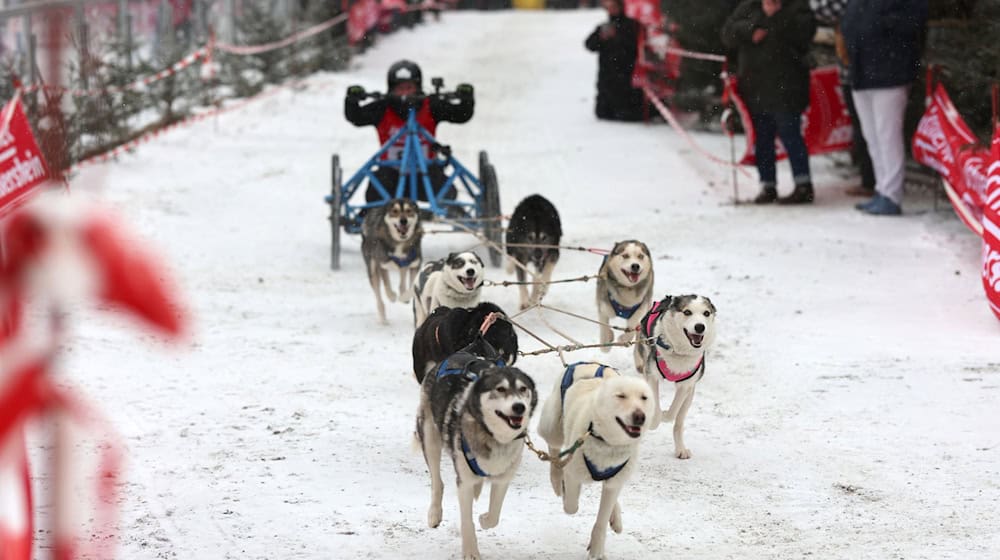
(680, 330)
(454, 281)
(624, 287)
(601, 416)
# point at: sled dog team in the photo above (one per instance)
(476, 406)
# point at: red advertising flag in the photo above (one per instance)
(826, 124)
(946, 144)
(22, 168)
(991, 228)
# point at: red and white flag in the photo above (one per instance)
(991, 228)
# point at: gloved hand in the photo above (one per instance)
(464, 91)
(355, 92)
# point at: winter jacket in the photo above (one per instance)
(616, 55)
(389, 114)
(884, 41)
(773, 74)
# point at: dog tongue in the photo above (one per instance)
(632, 276)
(469, 283)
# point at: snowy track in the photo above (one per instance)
(849, 409)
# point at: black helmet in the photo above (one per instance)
(404, 71)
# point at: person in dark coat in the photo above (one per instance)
(617, 44)
(884, 41)
(772, 38)
(389, 113)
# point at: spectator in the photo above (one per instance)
(883, 40)
(829, 12)
(388, 114)
(616, 42)
(772, 38)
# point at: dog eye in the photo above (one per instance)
(687, 312)
(501, 390)
(524, 390)
(706, 313)
(620, 395)
(644, 397)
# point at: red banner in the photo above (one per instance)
(991, 228)
(22, 169)
(646, 12)
(826, 124)
(946, 144)
(362, 17)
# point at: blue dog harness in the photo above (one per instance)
(621, 310)
(567, 379)
(403, 262)
(462, 368)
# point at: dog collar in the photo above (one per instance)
(470, 459)
(597, 474)
(621, 310)
(567, 379)
(671, 375)
(444, 370)
(406, 261)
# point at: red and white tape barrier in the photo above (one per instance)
(141, 83)
(672, 120)
(695, 54)
(256, 49)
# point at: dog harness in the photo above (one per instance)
(470, 459)
(403, 262)
(621, 310)
(595, 473)
(567, 379)
(647, 330)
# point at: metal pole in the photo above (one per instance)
(732, 161)
(83, 39)
(128, 41)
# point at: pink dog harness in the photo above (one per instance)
(647, 330)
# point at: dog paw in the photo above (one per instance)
(434, 517)
(405, 297)
(487, 522)
(390, 295)
(474, 555)
(616, 522)
(594, 554)
(683, 453)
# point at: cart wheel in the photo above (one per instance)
(334, 201)
(492, 229)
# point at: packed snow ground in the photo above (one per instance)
(848, 411)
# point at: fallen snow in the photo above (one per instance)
(849, 408)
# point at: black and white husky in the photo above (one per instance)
(679, 330)
(478, 411)
(390, 239)
(454, 281)
(624, 287)
(599, 416)
(533, 235)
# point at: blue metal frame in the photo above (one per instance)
(413, 178)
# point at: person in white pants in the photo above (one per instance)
(884, 39)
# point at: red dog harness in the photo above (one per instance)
(647, 330)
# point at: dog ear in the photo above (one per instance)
(710, 305)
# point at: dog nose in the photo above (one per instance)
(518, 408)
(470, 272)
(403, 221)
(635, 268)
(699, 328)
(638, 418)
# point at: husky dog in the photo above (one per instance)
(624, 287)
(680, 329)
(478, 411)
(601, 416)
(449, 329)
(535, 221)
(454, 281)
(390, 239)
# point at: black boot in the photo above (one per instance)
(803, 194)
(768, 194)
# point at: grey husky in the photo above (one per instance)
(390, 239)
(478, 410)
